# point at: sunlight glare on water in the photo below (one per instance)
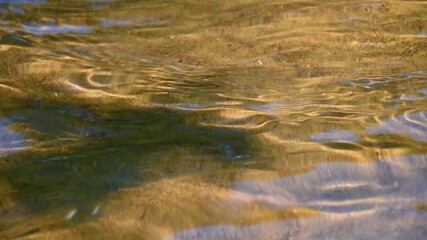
(243, 119)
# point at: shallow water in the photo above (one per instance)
(240, 119)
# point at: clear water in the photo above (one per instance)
(241, 119)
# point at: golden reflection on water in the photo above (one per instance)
(236, 119)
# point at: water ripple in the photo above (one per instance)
(52, 28)
(23, 2)
(413, 125)
(10, 141)
(364, 194)
(335, 136)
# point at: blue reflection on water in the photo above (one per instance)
(104, 1)
(10, 141)
(23, 2)
(270, 107)
(16, 9)
(413, 125)
(404, 98)
(106, 23)
(373, 196)
(335, 136)
(99, 7)
(52, 28)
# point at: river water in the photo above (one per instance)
(216, 119)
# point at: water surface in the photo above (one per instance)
(240, 119)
